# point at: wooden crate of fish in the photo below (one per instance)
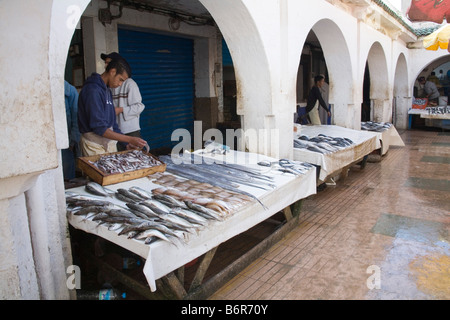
(111, 168)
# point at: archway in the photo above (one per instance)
(380, 96)
(340, 73)
(401, 100)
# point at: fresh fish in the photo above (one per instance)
(142, 208)
(123, 198)
(89, 209)
(176, 220)
(194, 172)
(205, 211)
(189, 216)
(156, 206)
(75, 196)
(169, 201)
(144, 194)
(97, 189)
(121, 213)
(87, 203)
(151, 233)
(124, 162)
(118, 219)
(129, 194)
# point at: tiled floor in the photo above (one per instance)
(382, 233)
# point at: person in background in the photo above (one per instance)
(430, 91)
(324, 89)
(432, 77)
(70, 154)
(128, 104)
(314, 99)
(96, 114)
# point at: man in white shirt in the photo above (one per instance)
(128, 104)
(431, 91)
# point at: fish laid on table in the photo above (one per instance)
(142, 209)
(375, 126)
(144, 194)
(204, 211)
(322, 143)
(129, 195)
(93, 209)
(169, 201)
(97, 189)
(194, 172)
(125, 162)
(189, 216)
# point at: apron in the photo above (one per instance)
(92, 144)
(314, 114)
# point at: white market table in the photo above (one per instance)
(163, 258)
(428, 113)
(387, 138)
(331, 163)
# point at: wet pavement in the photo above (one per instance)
(382, 233)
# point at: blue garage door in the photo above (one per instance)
(162, 66)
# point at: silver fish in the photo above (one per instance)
(142, 208)
(151, 233)
(97, 189)
(203, 210)
(129, 194)
(87, 203)
(157, 207)
(123, 198)
(189, 216)
(172, 218)
(89, 209)
(144, 194)
(169, 201)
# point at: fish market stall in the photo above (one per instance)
(181, 190)
(387, 135)
(331, 147)
(437, 116)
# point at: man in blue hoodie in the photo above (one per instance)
(96, 114)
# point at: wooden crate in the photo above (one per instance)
(106, 179)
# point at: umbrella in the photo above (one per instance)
(437, 39)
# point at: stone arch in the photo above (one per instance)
(402, 99)
(243, 40)
(380, 95)
(339, 67)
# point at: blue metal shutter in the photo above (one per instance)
(226, 55)
(163, 68)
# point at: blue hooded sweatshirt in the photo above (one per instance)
(95, 107)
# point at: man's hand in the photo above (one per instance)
(136, 143)
(118, 110)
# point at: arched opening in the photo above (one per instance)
(318, 57)
(340, 73)
(438, 72)
(380, 97)
(401, 100)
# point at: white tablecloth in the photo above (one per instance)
(163, 258)
(387, 138)
(365, 143)
(426, 114)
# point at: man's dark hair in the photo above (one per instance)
(318, 78)
(121, 65)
